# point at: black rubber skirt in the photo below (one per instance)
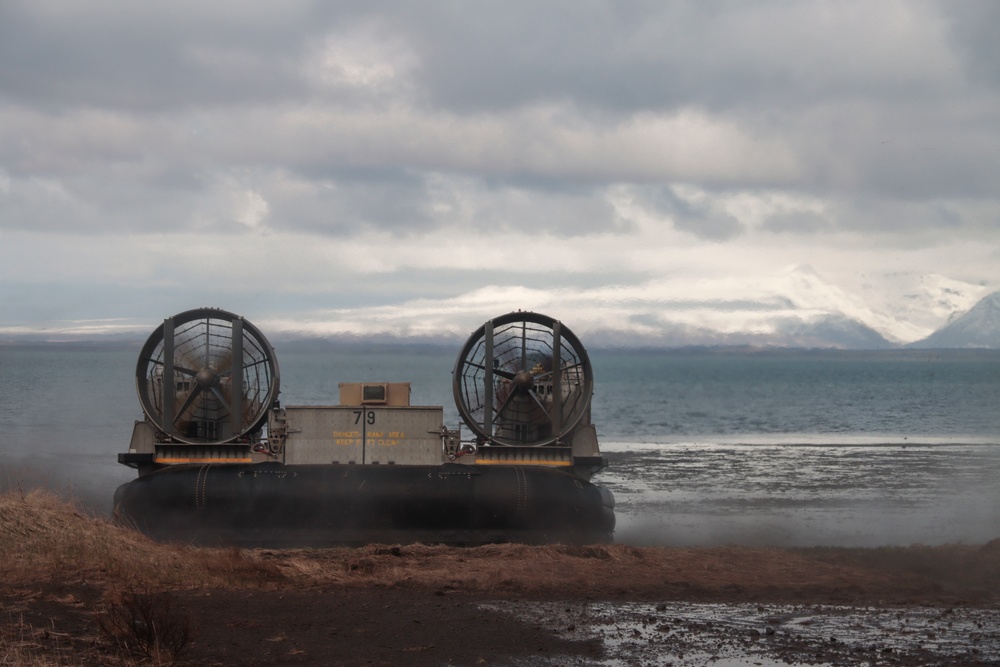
(274, 505)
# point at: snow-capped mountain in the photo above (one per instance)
(918, 303)
(828, 331)
(979, 327)
(791, 307)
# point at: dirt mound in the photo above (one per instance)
(992, 547)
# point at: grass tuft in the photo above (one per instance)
(144, 624)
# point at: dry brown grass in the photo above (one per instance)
(45, 537)
(892, 575)
(490, 568)
(19, 648)
(47, 542)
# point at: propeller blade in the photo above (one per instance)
(496, 371)
(222, 399)
(541, 405)
(188, 402)
(506, 402)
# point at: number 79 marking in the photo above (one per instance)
(369, 416)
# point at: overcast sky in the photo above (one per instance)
(412, 166)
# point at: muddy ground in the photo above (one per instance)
(77, 590)
(519, 605)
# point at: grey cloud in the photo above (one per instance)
(915, 223)
(707, 224)
(944, 148)
(799, 222)
(507, 54)
(973, 27)
(341, 201)
(703, 219)
(662, 56)
(166, 118)
(342, 204)
(618, 57)
(112, 199)
(560, 209)
(151, 57)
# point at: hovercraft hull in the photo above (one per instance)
(277, 505)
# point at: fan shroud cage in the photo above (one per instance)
(207, 376)
(523, 379)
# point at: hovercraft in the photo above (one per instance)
(221, 462)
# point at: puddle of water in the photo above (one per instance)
(746, 635)
(849, 494)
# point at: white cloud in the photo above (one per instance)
(362, 57)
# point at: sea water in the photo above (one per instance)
(704, 446)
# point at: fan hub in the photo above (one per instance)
(207, 377)
(524, 380)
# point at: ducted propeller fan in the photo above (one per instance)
(523, 379)
(206, 376)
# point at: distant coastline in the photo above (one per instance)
(377, 341)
